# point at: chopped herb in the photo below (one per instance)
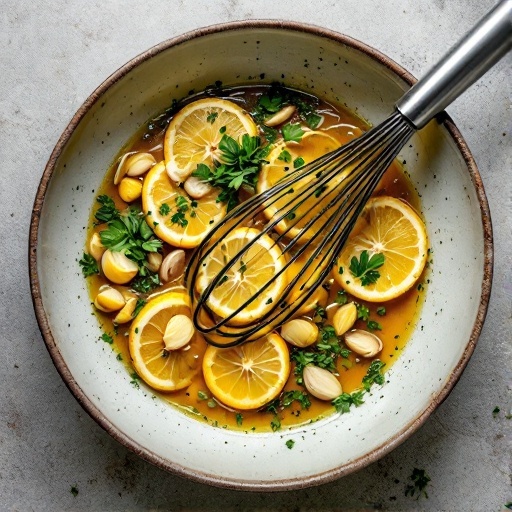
(298, 162)
(74, 490)
(320, 190)
(211, 117)
(107, 338)
(107, 211)
(343, 402)
(275, 423)
(374, 326)
(285, 156)
(240, 166)
(239, 419)
(366, 268)
(381, 311)
(211, 404)
(374, 374)
(269, 301)
(290, 443)
(420, 481)
(146, 283)
(164, 209)
(202, 395)
(341, 297)
(89, 265)
(119, 357)
(138, 306)
(296, 395)
(496, 411)
(292, 132)
(362, 312)
(135, 380)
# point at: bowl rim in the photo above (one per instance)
(154, 458)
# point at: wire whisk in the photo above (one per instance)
(340, 182)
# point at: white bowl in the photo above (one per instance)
(333, 67)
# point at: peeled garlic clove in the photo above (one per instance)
(196, 188)
(363, 343)
(117, 267)
(154, 261)
(321, 383)
(121, 168)
(172, 266)
(280, 117)
(344, 318)
(178, 332)
(109, 299)
(139, 163)
(126, 313)
(96, 248)
(299, 332)
(130, 189)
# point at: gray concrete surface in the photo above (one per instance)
(52, 455)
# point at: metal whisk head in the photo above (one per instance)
(340, 183)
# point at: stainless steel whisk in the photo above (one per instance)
(344, 180)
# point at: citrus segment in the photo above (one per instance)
(165, 370)
(194, 133)
(282, 161)
(175, 217)
(250, 375)
(390, 227)
(258, 265)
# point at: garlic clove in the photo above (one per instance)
(96, 248)
(126, 313)
(139, 163)
(109, 299)
(130, 189)
(363, 343)
(154, 261)
(321, 383)
(344, 318)
(299, 332)
(117, 267)
(172, 266)
(196, 188)
(280, 117)
(178, 332)
(121, 168)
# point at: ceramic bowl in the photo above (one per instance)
(336, 68)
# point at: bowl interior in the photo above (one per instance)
(337, 69)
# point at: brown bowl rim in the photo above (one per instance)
(154, 458)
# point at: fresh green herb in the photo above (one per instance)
(240, 166)
(107, 211)
(296, 395)
(320, 190)
(298, 162)
(135, 380)
(290, 443)
(202, 395)
(285, 156)
(146, 283)
(292, 132)
(107, 338)
(343, 402)
(366, 268)
(239, 419)
(341, 297)
(270, 104)
(496, 411)
(374, 374)
(373, 325)
(211, 117)
(381, 311)
(74, 490)
(275, 423)
(362, 312)
(119, 357)
(138, 306)
(211, 404)
(420, 480)
(164, 209)
(89, 265)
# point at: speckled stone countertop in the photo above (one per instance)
(53, 456)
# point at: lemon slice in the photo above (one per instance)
(390, 227)
(194, 133)
(282, 160)
(161, 369)
(175, 217)
(257, 266)
(247, 376)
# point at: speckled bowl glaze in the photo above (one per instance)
(336, 68)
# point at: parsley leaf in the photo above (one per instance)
(290, 443)
(298, 162)
(366, 268)
(164, 209)
(292, 132)
(145, 283)
(343, 402)
(107, 210)
(89, 265)
(374, 374)
(107, 338)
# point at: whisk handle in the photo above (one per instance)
(474, 55)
